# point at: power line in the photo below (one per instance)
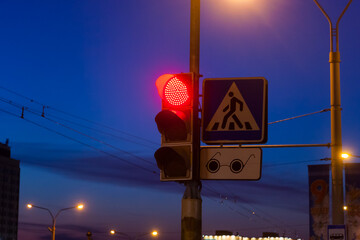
(224, 198)
(75, 116)
(80, 142)
(8, 101)
(79, 132)
(304, 115)
(289, 163)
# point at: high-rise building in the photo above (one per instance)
(9, 194)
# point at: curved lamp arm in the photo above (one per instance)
(333, 32)
(63, 209)
(46, 209)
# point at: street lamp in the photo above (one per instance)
(337, 198)
(53, 217)
(347, 155)
(154, 233)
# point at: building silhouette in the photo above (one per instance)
(9, 194)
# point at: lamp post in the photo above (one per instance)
(54, 217)
(191, 204)
(337, 198)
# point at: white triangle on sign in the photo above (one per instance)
(233, 114)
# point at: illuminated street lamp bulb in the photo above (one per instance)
(29, 206)
(345, 208)
(112, 232)
(345, 155)
(154, 233)
(80, 206)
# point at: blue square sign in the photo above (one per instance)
(234, 110)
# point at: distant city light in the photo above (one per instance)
(233, 237)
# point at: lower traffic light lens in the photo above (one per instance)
(171, 162)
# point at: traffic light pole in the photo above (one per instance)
(337, 199)
(191, 210)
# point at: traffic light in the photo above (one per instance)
(175, 123)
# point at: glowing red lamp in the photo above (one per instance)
(175, 90)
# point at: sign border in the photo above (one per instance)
(264, 124)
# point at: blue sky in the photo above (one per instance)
(98, 61)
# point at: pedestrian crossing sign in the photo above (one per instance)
(234, 110)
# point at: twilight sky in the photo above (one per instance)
(93, 65)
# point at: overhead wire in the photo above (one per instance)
(79, 132)
(251, 212)
(289, 163)
(82, 143)
(304, 115)
(78, 117)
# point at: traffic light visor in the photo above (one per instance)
(174, 89)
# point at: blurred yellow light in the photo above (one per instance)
(29, 206)
(345, 155)
(112, 232)
(345, 208)
(80, 206)
(241, 12)
(154, 233)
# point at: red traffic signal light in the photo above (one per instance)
(174, 122)
(175, 90)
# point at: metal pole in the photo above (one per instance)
(53, 229)
(191, 203)
(337, 198)
(336, 141)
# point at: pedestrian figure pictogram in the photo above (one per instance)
(232, 109)
(233, 114)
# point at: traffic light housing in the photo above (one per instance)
(175, 123)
